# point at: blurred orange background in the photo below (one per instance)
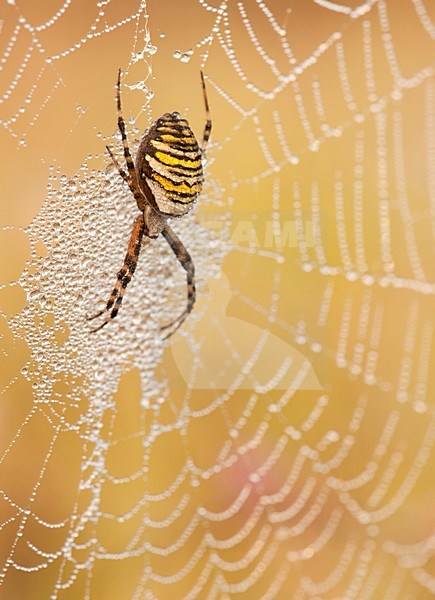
(280, 445)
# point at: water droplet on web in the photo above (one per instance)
(150, 49)
(183, 56)
(420, 407)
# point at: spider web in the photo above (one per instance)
(281, 444)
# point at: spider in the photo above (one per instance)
(165, 182)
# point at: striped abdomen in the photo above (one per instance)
(169, 165)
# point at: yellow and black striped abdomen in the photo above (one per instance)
(169, 165)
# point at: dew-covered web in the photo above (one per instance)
(280, 445)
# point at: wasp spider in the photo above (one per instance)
(165, 181)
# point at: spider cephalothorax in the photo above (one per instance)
(165, 181)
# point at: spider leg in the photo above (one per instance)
(138, 196)
(121, 126)
(125, 274)
(131, 178)
(187, 264)
(207, 129)
(118, 166)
